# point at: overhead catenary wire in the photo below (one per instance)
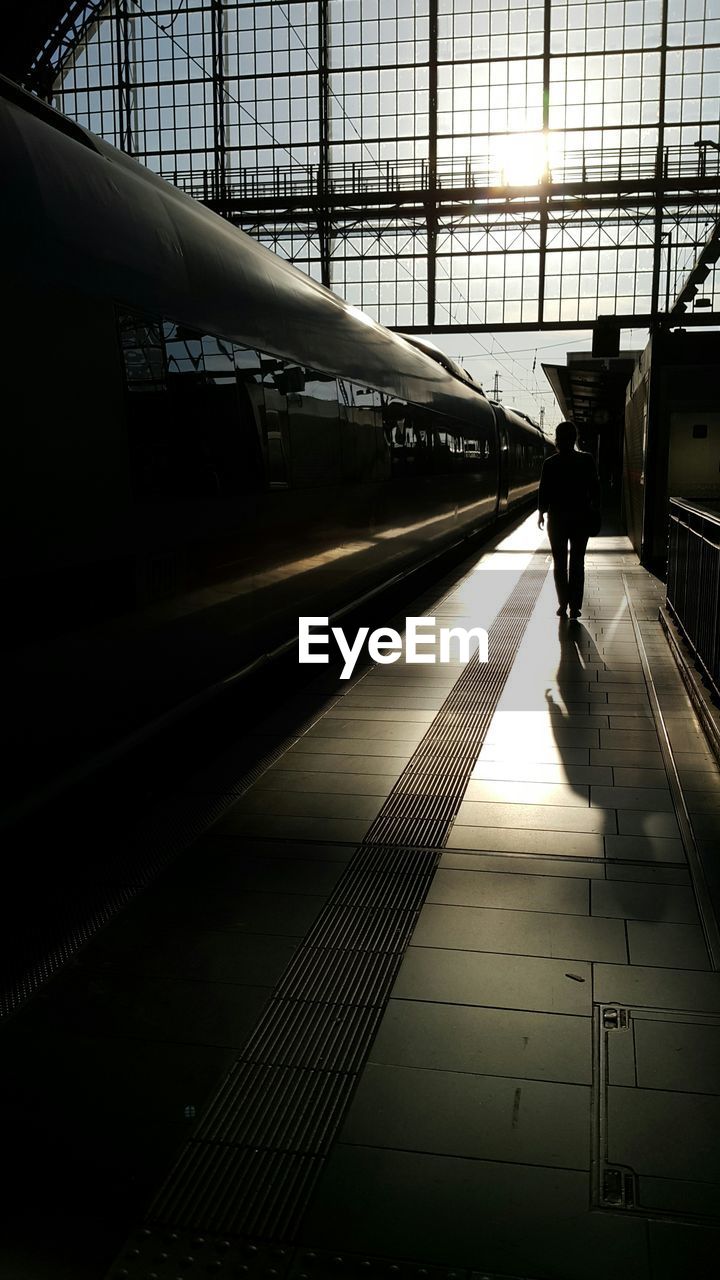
(201, 63)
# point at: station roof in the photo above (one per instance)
(25, 30)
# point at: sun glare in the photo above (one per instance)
(521, 159)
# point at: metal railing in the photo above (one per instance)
(636, 164)
(693, 587)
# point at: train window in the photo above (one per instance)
(251, 397)
(421, 442)
(400, 435)
(428, 458)
(320, 386)
(354, 396)
(275, 420)
(141, 341)
(364, 448)
(447, 447)
(190, 353)
(183, 349)
(451, 443)
(271, 368)
(248, 364)
(201, 440)
(468, 451)
(218, 358)
(314, 427)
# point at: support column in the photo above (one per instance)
(323, 191)
(545, 190)
(542, 262)
(431, 197)
(660, 174)
(218, 99)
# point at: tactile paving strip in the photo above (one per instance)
(243, 1191)
(296, 1033)
(426, 797)
(282, 1108)
(337, 977)
(178, 1255)
(286, 1097)
(253, 1161)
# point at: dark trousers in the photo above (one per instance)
(567, 532)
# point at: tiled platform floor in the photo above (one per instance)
(564, 887)
(493, 1097)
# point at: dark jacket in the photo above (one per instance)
(569, 483)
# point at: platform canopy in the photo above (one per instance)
(590, 390)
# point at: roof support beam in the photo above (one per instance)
(707, 258)
(124, 62)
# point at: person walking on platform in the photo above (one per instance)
(569, 495)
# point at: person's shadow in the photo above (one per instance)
(579, 657)
(578, 653)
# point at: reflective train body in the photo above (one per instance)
(207, 443)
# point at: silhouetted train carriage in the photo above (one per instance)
(209, 443)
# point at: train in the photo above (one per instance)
(205, 443)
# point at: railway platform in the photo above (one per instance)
(437, 994)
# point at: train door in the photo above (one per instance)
(503, 462)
